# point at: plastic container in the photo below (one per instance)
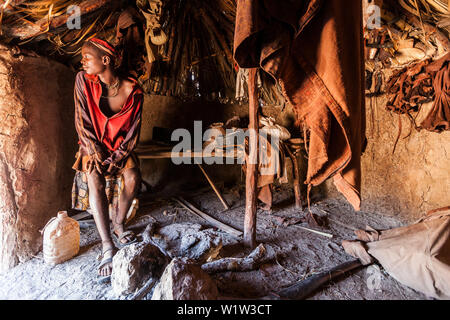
(61, 239)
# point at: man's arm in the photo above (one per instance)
(83, 123)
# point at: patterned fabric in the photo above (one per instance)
(80, 191)
(104, 46)
(114, 184)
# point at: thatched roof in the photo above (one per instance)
(196, 61)
(411, 31)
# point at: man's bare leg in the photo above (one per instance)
(131, 183)
(99, 205)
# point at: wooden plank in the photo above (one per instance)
(191, 208)
(181, 155)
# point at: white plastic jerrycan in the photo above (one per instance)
(61, 239)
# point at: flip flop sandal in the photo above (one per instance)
(104, 279)
(124, 235)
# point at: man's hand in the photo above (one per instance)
(93, 164)
(112, 169)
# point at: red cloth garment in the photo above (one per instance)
(110, 139)
(314, 49)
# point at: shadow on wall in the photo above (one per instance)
(172, 113)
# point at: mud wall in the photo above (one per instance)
(37, 141)
(172, 113)
(411, 181)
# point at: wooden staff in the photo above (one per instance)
(304, 289)
(252, 164)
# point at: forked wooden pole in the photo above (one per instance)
(252, 164)
(295, 168)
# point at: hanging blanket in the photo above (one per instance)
(314, 49)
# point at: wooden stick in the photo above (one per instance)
(315, 231)
(81, 215)
(214, 188)
(252, 164)
(140, 294)
(256, 258)
(191, 208)
(305, 288)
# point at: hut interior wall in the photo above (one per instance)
(172, 113)
(411, 181)
(37, 142)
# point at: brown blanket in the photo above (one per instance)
(314, 49)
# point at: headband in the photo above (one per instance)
(104, 46)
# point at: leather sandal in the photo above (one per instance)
(105, 261)
(123, 235)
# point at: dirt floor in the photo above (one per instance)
(300, 253)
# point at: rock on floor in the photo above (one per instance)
(184, 280)
(190, 241)
(133, 265)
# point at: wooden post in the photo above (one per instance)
(296, 171)
(252, 163)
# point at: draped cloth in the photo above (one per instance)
(314, 49)
(417, 255)
(111, 139)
